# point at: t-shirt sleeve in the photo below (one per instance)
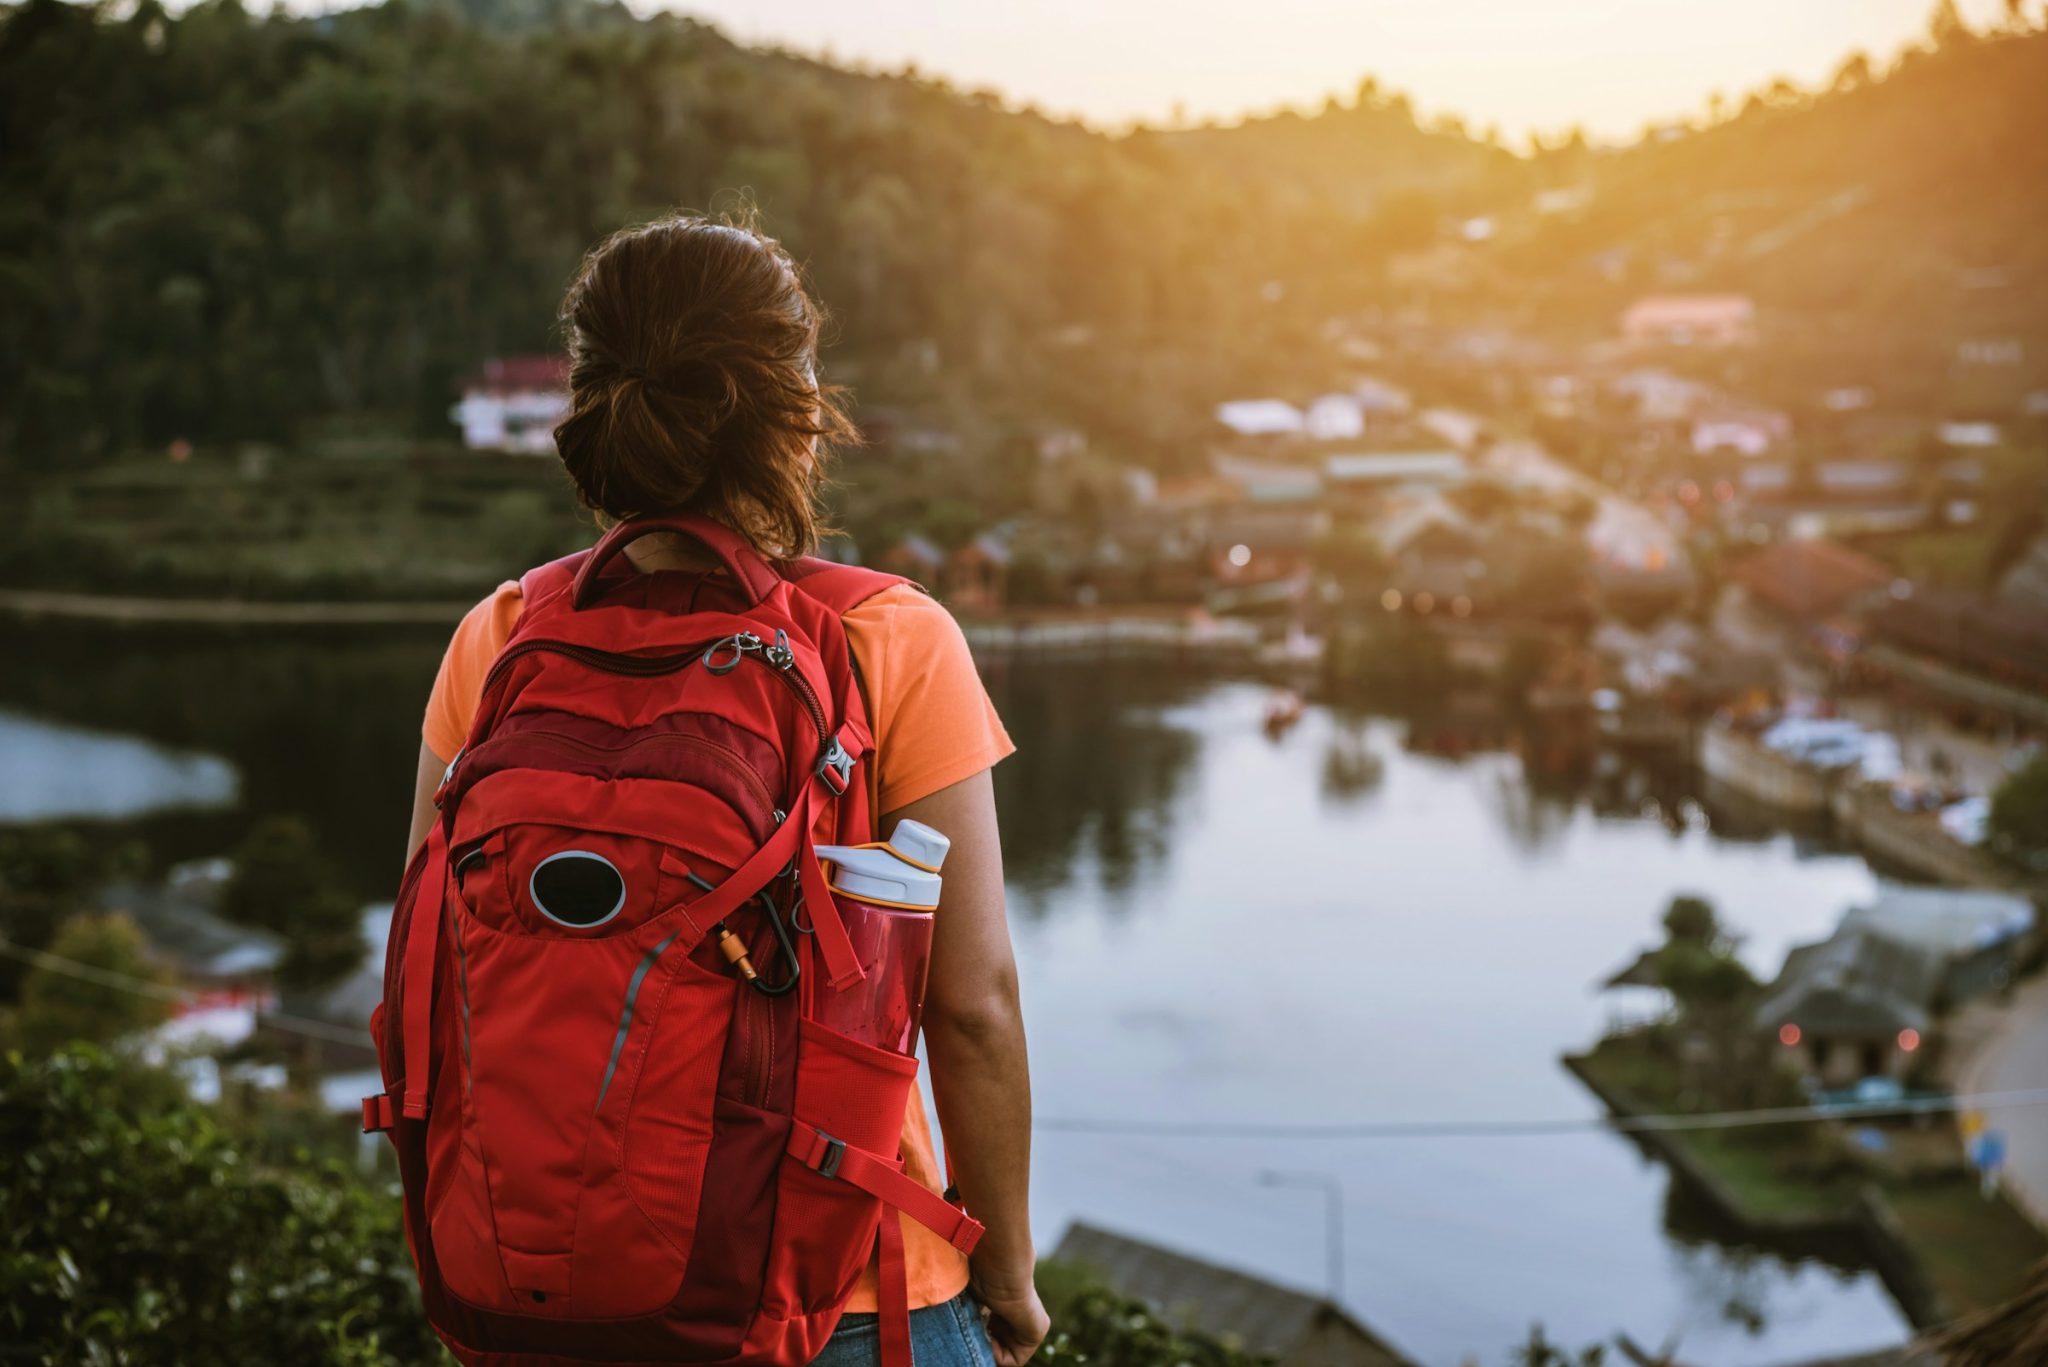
(459, 685)
(933, 722)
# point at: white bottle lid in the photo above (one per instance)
(891, 873)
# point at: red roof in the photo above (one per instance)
(1809, 578)
(503, 373)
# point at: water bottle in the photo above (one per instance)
(886, 894)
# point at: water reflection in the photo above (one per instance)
(1393, 916)
(1093, 786)
(50, 771)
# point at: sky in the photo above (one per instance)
(1607, 65)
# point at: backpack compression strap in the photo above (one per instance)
(886, 1181)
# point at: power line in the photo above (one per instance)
(1482, 1129)
(182, 996)
(1160, 1129)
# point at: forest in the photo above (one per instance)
(222, 227)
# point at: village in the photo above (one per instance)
(1793, 606)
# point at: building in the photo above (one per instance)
(1984, 658)
(1289, 1328)
(512, 403)
(1334, 417)
(1712, 320)
(913, 557)
(1975, 436)
(1747, 432)
(1356, 470)
(1261, 481)
(181, 919)
(975, 575)
(1261, 418)
(1807, 582)
(1658, 396)
(1862, 1002)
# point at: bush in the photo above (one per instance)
(1093, 1325)
(59, 1007)
(2019, 815)
(136, 1229)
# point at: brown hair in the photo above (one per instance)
(693, 382)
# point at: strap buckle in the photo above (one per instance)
(377, 1115)
(835, 767)
(828, 1163)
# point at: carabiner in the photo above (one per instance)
(739, 643)
(796, 968)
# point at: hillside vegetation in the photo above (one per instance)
(223, 227)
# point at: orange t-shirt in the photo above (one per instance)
(933, 725)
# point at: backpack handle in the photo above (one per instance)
(749, 571)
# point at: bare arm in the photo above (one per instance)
(974, 1036)
(432, 766)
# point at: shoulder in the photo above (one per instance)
(492, 619)
(902, 621)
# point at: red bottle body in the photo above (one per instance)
(886, 1007)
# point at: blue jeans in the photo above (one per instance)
(948, 1335)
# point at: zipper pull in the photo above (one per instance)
(779, 654)
(738, 644)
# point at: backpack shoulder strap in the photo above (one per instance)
(840, 588)
(544, 583)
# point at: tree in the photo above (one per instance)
(58, 1007)
(283, 883)
(1945, 26)
(42, 876)
(1691, 920)
(2019, 814)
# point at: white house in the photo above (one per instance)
(1690, 320)
(1261, 417)
(1334, 417)
(512, 403)
(1747, 432)
(1970, 434)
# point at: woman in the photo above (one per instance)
(693, 387)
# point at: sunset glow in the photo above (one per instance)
(1608, 65)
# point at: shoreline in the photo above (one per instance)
(1137, 628)
(1868, 1221)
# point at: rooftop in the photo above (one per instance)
(1295, 1328)
(1810, 578)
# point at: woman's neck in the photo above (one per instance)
(666, 551)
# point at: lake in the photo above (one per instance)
(1376, 918)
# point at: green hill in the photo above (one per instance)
(1899, 210)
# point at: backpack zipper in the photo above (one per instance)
(571, 745)
(743, 645)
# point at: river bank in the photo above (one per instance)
(1940, 1247)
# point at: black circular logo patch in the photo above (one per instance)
(578, 889)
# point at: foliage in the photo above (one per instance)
(1691, 920)
(59, 1007)
(2019, 813)
(135, 1230)
(1725, 1062)
(282, 882)
(224, 225)
(1095, 1327)
(42, 872)
(1539, 1351)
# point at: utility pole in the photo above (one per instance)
(1333, 1221)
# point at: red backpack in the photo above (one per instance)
(622, 1136)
